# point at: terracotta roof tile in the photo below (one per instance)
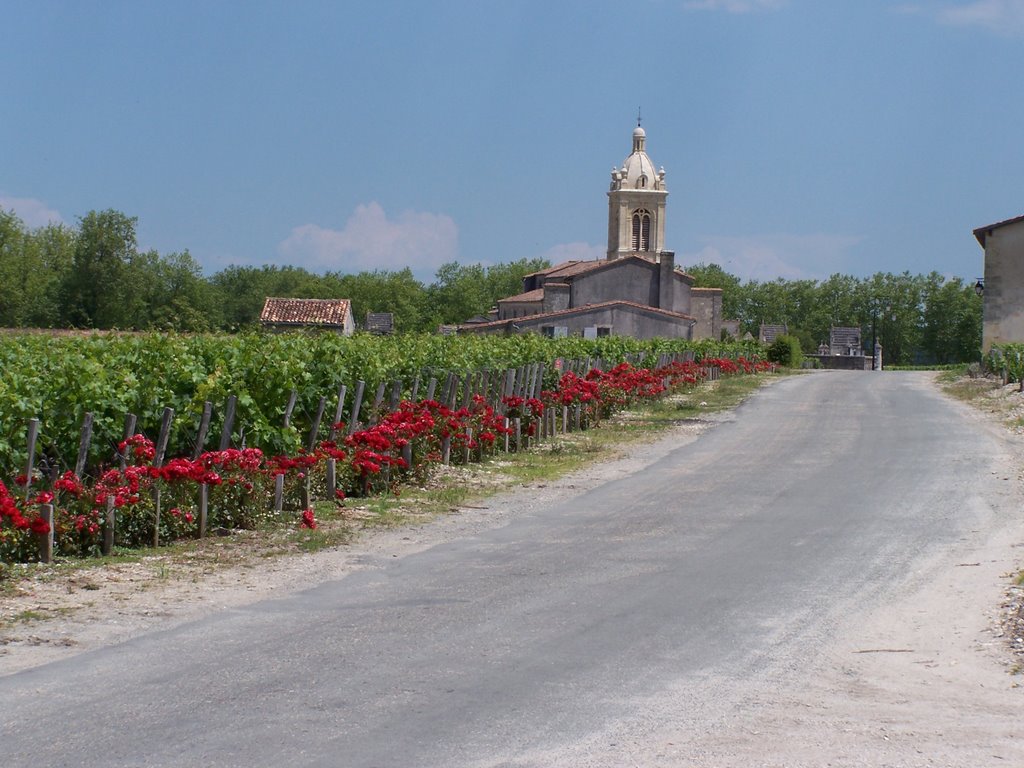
(306, 311)
(535, 295)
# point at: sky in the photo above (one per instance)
(800, 138)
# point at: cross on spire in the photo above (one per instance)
(638, 118)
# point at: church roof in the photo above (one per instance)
(567, 268)
(532, 319)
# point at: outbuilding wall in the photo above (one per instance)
(1004, 286)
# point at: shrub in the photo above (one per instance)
(786, 351)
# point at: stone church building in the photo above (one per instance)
(636, 290)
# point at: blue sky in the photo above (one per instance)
(800, 137)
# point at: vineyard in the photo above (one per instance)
(117, 435)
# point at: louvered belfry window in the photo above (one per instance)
(641, 230)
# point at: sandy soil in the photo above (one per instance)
(933, 680)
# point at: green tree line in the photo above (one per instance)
(916, 318)
(93, 275)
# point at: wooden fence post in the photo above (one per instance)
(278, 493)
(46, 541)
(108, 527)
(332, 479)
(377, 400)
(31, 438)
(83, 444)
(158, 461)
(204, 508)
(291, 406)
(229, 423)
(130, 421)
(315, 428)
(357, 405)
(337, 412)
(204, 428)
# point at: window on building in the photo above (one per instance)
(547, 330)
(604, 330)
(641, 230)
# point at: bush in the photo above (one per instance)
(786, 351)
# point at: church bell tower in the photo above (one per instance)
(636, 204)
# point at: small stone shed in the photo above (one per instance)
(308, 314)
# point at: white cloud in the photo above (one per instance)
(573, 252)
(733, 6)
(370, 240)
(767, 257)
(35, 213)
(1005, 17)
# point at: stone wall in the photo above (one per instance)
(842, 362)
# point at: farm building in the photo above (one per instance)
(1003, 296)
(308, 314)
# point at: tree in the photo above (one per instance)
(12, 269)
(951, 331)
(713, 276)
(397, 292)
(180, 298)
(33, 264)
(97, 291)
(459, 292)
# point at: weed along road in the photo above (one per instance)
(810, 582)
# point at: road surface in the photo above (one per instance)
(790, 589)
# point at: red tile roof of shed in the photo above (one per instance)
(305, 311)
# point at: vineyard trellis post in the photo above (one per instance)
(357, 405)
(83, 444)
(229, 422)
(46, 540)
(109, 522)
(333, 434)
(31, 438)
(204, 427)
(292, 398)
(130, 421)
(158, 461)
